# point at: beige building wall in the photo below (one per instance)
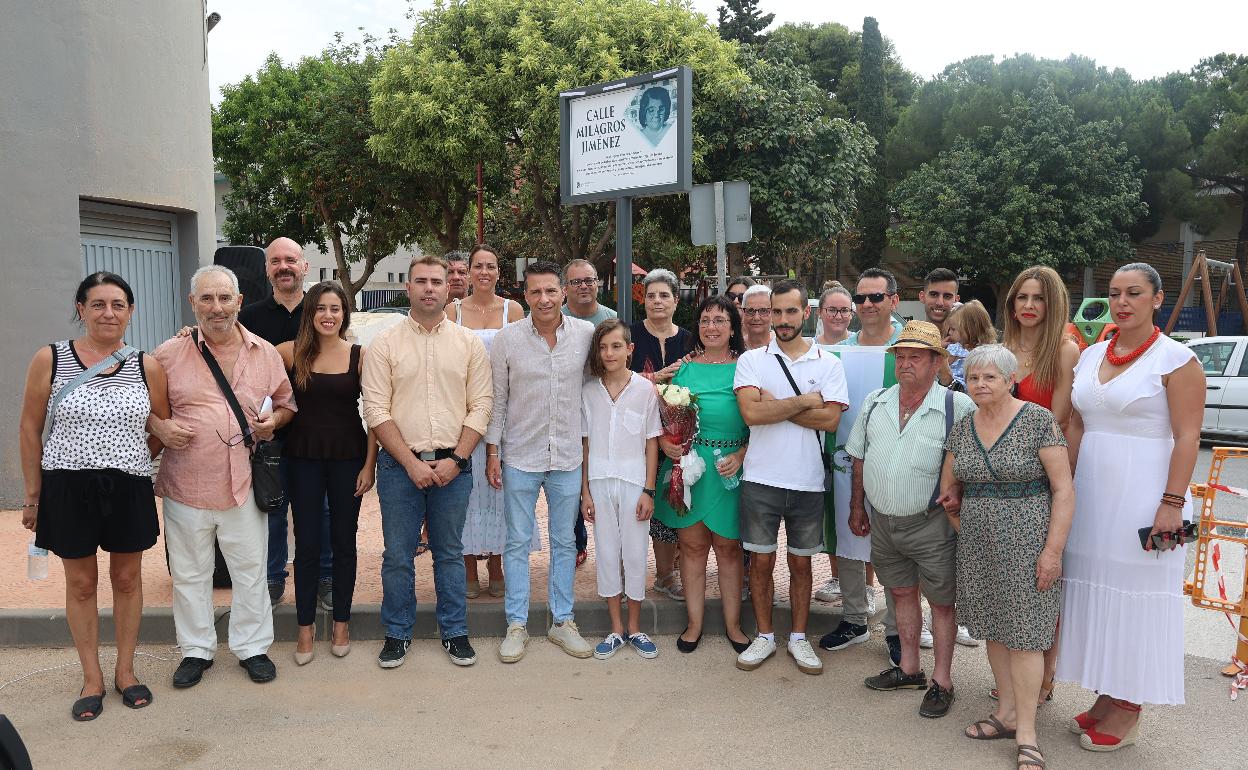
(104, 101)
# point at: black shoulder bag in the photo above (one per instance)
(823, 450)
(266, 484)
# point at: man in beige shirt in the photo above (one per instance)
(428, 393)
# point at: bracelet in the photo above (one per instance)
(1172, 495)
(1171, 503)
(31, 505)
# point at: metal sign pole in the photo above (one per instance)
(721, 241)
(624, 259)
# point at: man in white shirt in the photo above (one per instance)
(790, 393)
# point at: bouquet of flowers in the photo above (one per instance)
(678, 408)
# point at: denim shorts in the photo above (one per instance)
(764, 507)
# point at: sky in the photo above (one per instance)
(1151, 39)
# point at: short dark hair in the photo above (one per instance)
(596, 366)
(890, 280)
(481, 247)
(787, 285)
(736, 342)
(654, 93)
(744, 280)
(940, 275)
(541, 267)
(455, 256)
(100, 278)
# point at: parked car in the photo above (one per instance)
(399, 310)
(1225, 361)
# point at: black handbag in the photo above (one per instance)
(266, 483)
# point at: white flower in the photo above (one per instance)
(675, 395)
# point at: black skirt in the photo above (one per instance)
(81, 511)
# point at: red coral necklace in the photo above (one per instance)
(1118, 360)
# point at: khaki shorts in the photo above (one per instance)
(917, 550)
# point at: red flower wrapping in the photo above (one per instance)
(680, 425)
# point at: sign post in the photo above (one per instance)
(719, 213)
(623, 139)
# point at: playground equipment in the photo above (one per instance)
(1208, 585)
(1232, 280)
(1092, 323)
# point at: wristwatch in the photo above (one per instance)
(648, 492)
(460, 462)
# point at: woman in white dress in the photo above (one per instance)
(1135, 431)
(485, 530)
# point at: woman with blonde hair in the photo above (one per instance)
(968, 326)
(1037, 311)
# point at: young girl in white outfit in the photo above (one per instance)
(620, 423)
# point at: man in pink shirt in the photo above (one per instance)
(206, 480)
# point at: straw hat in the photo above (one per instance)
(920, 334)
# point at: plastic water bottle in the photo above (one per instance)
(36, 561)
(730, 482)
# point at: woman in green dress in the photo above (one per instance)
(712, 520)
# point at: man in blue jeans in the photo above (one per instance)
(427, 396)
(534, 444)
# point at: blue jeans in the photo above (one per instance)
(404, 508)
(563, 496)
(279, 549)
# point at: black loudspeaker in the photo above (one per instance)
(247, 262)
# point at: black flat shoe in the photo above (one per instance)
(259, 668)
(87, 708)
(190, 671)
(738, 647)
(133, 694)
(684, 646)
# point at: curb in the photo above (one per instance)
(48, 628)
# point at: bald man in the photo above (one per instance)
(276, 320)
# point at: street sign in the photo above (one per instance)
(737, 226)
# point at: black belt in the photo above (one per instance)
(435, 454)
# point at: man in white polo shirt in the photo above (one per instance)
(790, 393)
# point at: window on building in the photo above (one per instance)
(324, 274)
(389, 277)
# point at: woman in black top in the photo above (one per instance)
(659, 348)
(329, 456)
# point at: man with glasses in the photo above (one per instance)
(737, 287)
(790, 392)
(939, 294)
(756, 316)
(206, 486)
(876, 298)
(581, 280)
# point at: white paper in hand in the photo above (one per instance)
(266, 408)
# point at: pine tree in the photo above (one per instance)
(873, 210)
(741, 20)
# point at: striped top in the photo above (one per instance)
(102, 422)
(900, 467)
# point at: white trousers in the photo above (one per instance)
(243, 533)
(621, 543)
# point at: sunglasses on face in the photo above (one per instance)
(734, 296)
(876, 297)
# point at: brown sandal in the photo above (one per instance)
(983, 735)
(1031, 756)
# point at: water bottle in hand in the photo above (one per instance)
(36, 561)
(730, 482)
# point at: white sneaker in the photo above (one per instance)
(925, 637)
(512, 648)
(965, 639)
(870, 603)
(759, 650)
(829, 591)
(568, 636)
(804, 655)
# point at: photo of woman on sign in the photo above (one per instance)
(653, 111)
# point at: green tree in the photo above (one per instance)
(291, 140)
(804, 167)
(1044, 189)
(481, 79)
(740, 20)
(873, 210)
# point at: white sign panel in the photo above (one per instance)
(625, 138)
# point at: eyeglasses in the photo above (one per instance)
(734, 296)
(876, 297)
(756, 311)
(582, 281)
(835, 311)
(232, 441)
(713, 322)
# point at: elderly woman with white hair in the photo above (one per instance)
(1007, 488)
(659, 348)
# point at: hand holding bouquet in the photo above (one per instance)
(678, 409)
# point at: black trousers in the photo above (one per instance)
(312, 483)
